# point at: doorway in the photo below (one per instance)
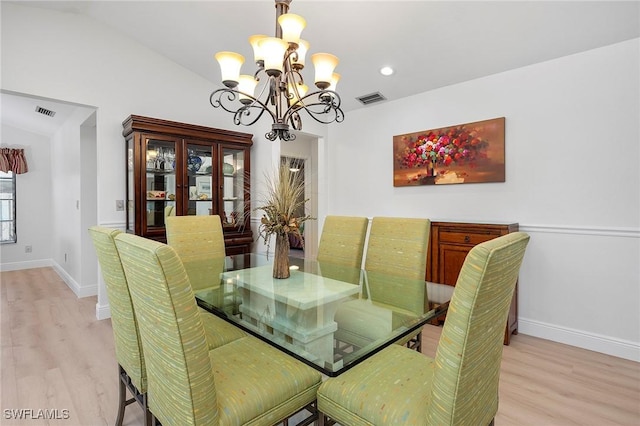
(304, 151)
(297, 242)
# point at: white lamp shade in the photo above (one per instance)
(254, 40)
(230, 63)
(335, 77)
(247, 84)
(303, 48)
(292, 26)
(324, 63)
(273, 49)
(302, 90)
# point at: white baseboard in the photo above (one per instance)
(103, 311)
(80, 291)
(17, 266)
(594, 342)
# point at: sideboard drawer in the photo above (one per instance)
(466, 237)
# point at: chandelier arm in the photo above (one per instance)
(325, 97)
(295, 120)
(328, 104)
(294, 79)
(244, 110)
(291, 53)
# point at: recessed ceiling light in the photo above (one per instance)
(386, 70)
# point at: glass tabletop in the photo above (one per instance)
(327, 315)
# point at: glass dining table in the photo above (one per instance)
(328, 316)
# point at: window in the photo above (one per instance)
(7, 207)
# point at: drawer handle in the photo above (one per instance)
(467, 238)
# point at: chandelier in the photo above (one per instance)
(277, 87)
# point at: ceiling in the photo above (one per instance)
(20, 112)
(430, 44)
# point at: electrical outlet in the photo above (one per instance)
(119, 205)
(28, 249)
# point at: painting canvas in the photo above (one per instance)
(464, 153)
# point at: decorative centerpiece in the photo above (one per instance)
(283, 202)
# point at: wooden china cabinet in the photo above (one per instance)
(183, 169)
(448, 247)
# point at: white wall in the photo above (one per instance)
(88, 202)
(572, 182)
(33, 202)
(73, 160)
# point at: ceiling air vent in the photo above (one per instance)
(371, 98)
(45, 111)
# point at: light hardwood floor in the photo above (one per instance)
(57, 356)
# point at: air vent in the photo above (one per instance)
(45, 111)
(371, 98)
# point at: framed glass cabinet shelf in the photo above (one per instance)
(182, 169)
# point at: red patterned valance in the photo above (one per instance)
(13, 160)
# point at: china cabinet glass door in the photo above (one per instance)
(198, 161)
(160, 184)
(233, 187)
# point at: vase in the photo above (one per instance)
(431, 169)
(281, 258)
(228, 169)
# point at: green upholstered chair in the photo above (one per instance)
(341, 248)
(243, 382)
(128, 347)
(396, 247)
(342, 240)
(131, 365)
(458, 387)
(199, 241)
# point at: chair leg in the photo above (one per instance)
(140, 398)
(154, 420)
(122, 398)
(311, 419)
(418, 346)
(148, 417)
(415, 343)
(324, 420)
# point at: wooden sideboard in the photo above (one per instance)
(448, 247)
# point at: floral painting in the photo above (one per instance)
(465, 153)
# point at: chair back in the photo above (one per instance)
(342, 240)
(397, 247)
(123, 320)
(199, 242)
(467, 363)
(180, 378)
